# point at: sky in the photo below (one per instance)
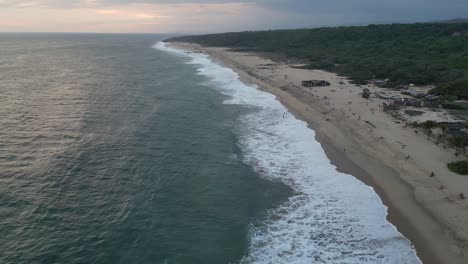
(207, 16)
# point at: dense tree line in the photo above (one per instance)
(423, 53)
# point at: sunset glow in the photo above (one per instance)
(154, 16)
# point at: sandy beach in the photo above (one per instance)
(370, 144)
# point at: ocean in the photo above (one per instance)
(119, 149)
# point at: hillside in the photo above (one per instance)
(423, 53)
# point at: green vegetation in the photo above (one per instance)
(460, 167)
(428, 126)
(458, 143)
(457, 88)
(423, 53)
(453, 106)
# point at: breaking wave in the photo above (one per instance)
(331, 217)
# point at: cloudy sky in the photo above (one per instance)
(200, 16)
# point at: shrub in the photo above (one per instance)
(460, 167)
(453, 106)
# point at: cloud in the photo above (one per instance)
(46, 3)
(135, 17)
(20, 3)
(215, 15)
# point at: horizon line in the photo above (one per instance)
(220, 32)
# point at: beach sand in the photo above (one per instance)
(362, 140)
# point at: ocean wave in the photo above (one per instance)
(331, 217)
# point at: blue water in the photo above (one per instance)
(117, 150)
(113, 152)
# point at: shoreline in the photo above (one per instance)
(342, 141)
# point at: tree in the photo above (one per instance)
(443, 129)
(428, 126)
(422, 53)
(458, 143)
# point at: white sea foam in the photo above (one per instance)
(332, 217)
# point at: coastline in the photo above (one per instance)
(355, 149)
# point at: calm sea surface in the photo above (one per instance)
(113, 150)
